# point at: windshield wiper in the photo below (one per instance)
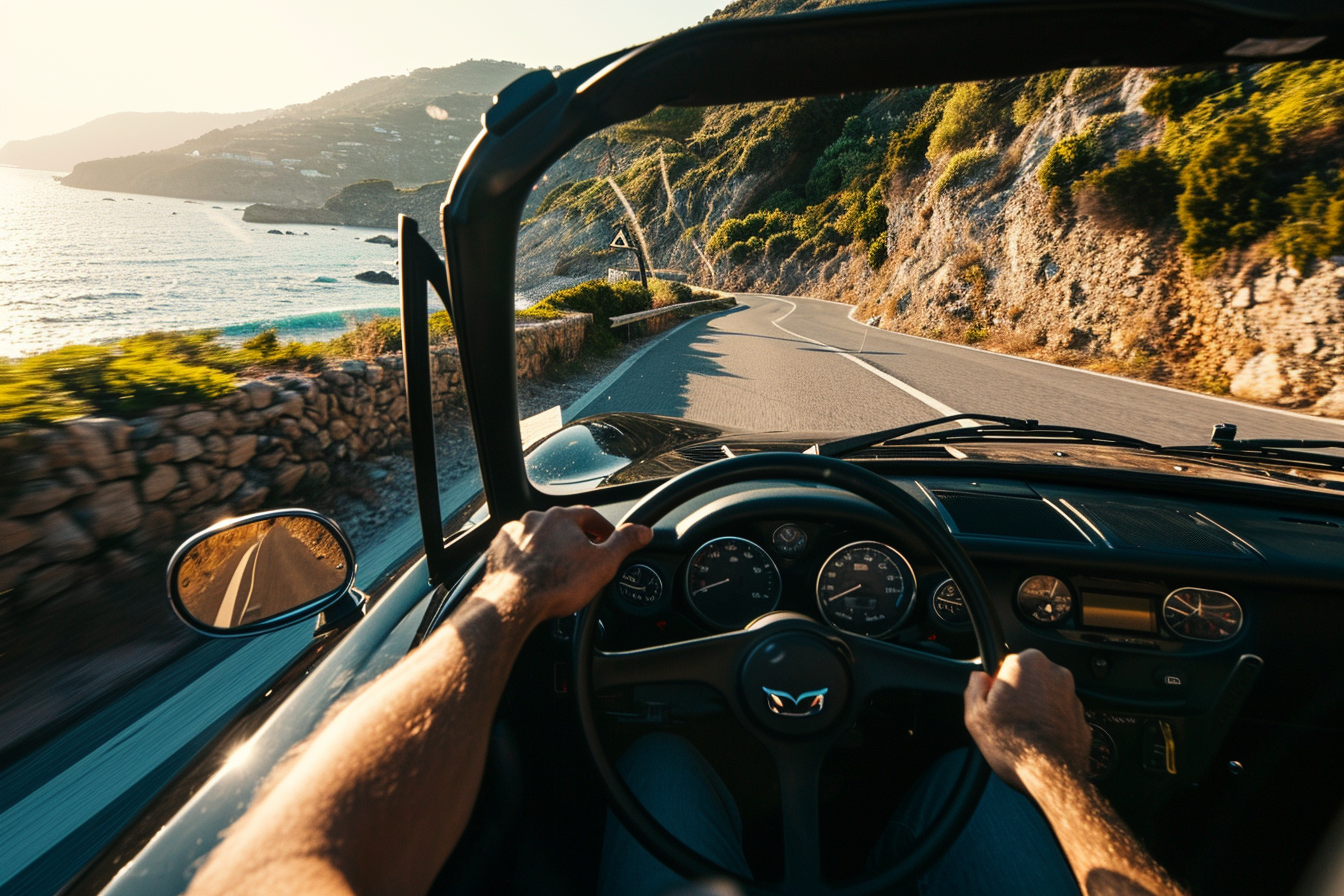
(1008, 429)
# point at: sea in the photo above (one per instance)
(84, 266)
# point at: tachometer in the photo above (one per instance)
(866, 588)
(731, 581)
(1202, 615)
(1045, 599)
(639, 586)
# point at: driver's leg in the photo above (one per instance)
(1007, 848)
(686, 796)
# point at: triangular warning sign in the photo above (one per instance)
(621, 241)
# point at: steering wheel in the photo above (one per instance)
(792, 653)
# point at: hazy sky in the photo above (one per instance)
(66, 62)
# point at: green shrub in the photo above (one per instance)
(1091, 81)
(370, 338)
(963, 166)
(877, 254)
(1036, 95)
(1068, 160)
(666, 122)
(970, 114)
(908, 148)
(855, 155)
(1139, 190)
(781, 245)
(1315, 225)
(757, 225)
(1225, 202)
(668, 292)
(976, 333)
(602, 300)
(1173, 95)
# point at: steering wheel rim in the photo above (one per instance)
(906, 510)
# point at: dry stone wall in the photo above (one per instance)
(100, 494)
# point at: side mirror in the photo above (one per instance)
(262, 572)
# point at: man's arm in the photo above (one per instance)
(1030, 727)
(379, 798)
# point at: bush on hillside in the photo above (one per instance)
(963, 166)
(602, 300)
(855, 155)
(1068, 160)
(970, 115)
(1225, 203)
(1315, 224)
(1036, 95)
(908, 148)
(877, 254)
(1174, 94)
(757, 225)
(1091, 81)
(1139, 190)
(667, 122)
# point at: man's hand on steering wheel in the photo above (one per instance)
(1028, 712)
(561, 558)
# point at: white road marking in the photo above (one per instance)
(55, 810)
(224, 618)
(1244, 405)
(905, 387)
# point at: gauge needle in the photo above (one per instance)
(713, 585)
(843, 593)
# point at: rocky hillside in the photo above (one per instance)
(1182, 226)
(410, 130)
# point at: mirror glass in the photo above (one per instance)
(259, 570)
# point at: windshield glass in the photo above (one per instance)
(1145, 252)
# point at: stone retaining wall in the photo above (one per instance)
(96, 495)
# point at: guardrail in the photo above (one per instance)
(621, 320)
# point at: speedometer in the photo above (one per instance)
(731, 581)
(866, 588)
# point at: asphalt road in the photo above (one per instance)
(773, 363)
(268, 575)
(777, 363)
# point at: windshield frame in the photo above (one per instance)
(541, 116)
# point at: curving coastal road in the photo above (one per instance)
(773, 363)
(789, 363)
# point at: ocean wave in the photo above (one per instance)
(94, 296)
(318, 320)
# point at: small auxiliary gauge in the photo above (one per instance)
(639, 586)
(948, 605)
(789, 540)
(1045, 599)
(1200, 614)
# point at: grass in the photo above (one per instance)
(137, 374)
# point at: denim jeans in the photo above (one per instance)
(1007, 848)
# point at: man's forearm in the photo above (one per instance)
(410, 746)
(1105, 857)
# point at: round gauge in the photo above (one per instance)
(948, 606)
(866, 588)
(789, 540)
(639, 586)
(731, 581)
(1102, 756)
(1202, 615)
(1045, 599)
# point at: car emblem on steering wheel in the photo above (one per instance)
(782, 703)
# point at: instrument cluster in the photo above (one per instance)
(862, 587)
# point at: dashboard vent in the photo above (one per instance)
(1161, 529)
(702, 454)
(900, 452)
(1006, 516)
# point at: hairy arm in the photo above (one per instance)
(379, 798)
(1030, 727)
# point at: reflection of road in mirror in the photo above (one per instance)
(260, 570)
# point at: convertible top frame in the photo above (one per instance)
(540, 116)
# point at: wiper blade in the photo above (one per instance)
(1001, 429)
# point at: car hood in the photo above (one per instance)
(622, 448)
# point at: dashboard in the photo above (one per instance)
(1167, 611)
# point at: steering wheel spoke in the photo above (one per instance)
(799, 769)
(713, 661)
(880, 666)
